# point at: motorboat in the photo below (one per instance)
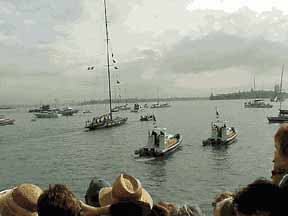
(47, 114)
(68, 111)
(221, 134)
(158, 105)
(124, 107)
(42, 108)
(160, 143)
(105, 121)
(115, 109)
(137, 108)
(257, 103)
(87, 111)
(147, 117)
(6, 121)
(282, 117)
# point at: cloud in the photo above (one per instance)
(233, 5)
(167, 44)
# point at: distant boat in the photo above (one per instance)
(124, 107)
(257, 103)
(68, 111)
(283, 114)
(6, 107)
(6, 121)
(137, 108)
(106, 120)
(147, 117)
(42, 108)
(281, 118)
(87, 111)
(47, 114)
(115, 109)
(157, 105)
(160, 143)
(220, 133)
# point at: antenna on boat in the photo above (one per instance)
(280, 96)
(108, 58)
(254, 84)
(217, 114)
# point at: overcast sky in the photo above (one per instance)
(182, 47)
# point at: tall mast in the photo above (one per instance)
(281, 86)
(158, 95)
(108, 58)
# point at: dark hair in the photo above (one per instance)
(281, 137)
(130, 208)
(58, 200)
(260, 196)
(92, 193)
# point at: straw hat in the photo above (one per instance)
(125, 187)
(224, 207)
(20, 201)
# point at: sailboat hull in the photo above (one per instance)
(277, 119)
(118, 121)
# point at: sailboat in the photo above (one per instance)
(106, 120)
(158, 105)
(283, 114)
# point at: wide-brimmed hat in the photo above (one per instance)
(20, 201)
(125, 188)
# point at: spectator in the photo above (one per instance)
(280, 167)
(124, 188)
(261, 197)
(58, 200)
(92, 193)
(20, 201)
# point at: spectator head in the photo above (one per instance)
(124, 188)
(20, 201)
(261, 197)
(222, 196)
(224, 208)
(281, 140)
(58, 200)
(92, 193)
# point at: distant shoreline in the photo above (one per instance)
(138, 100)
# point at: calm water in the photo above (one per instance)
(51, 151)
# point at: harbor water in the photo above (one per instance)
(49, 151)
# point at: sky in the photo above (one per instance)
(181, 47)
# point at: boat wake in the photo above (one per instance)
(144, 159)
